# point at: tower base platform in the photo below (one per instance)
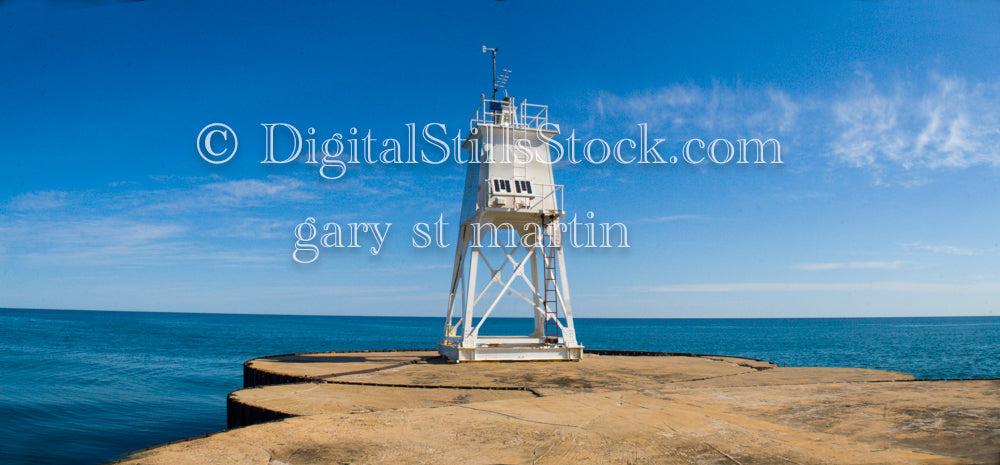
(508, 348)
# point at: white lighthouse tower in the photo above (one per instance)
(510, 239)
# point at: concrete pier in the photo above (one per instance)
(611, 407)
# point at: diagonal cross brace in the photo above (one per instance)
(518, 271)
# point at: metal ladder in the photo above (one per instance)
(519, 168)
(551, 302)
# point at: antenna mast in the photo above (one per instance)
(493, 53)
(501, 81)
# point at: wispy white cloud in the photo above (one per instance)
(940, 248)
(941, 122)
(886, 286)
(799, 196)
(116, 241)
(180, 220)
(42, 200)
(412, 268)
(344, 293)
(187, 220)
(94, 241)
(673, 218)
(874, 265)
(899, 128)
(721, 109)
(254, 228)
(174, 195)
(274, 189)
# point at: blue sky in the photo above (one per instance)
(888, 114)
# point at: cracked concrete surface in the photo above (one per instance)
(412, 408)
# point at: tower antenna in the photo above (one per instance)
(493, 53)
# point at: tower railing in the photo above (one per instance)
(507, 113)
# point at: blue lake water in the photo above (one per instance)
(82, 387)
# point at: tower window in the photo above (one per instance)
(501, 185)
